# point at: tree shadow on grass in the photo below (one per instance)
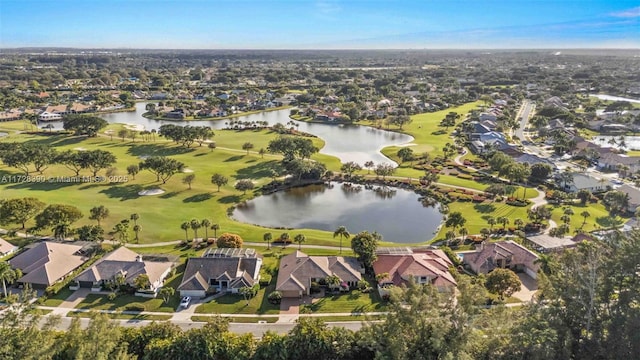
(58, 140)
(170, 194)
(157, 150)
(484, 208)
(123, 192)
(41, 186)
(259, 170)
(198, 197)
(234, 158)
(229, 199)
(608, 221)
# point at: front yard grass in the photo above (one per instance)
(477, 215)
(58, 298)
(354, 301)
(256, 319)
(236, 304)
(120, 303)
(151, 317)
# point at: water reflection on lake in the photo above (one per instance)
(397, 214)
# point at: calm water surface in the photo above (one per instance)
(346, 142)
(398, 216)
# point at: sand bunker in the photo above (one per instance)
(187, 170)
(80, 149)
(406, 145)
(135, 127)
(151, 192)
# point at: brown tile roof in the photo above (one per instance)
(433, 264)
(47, 262)
(485, 259)
(124, 261)
(297, 269)
(6, 247)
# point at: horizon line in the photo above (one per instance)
(319, 49)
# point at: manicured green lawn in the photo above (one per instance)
(249, 320)
(350, 318)
(57, 299)
(454, 180)
(150, 317)
(101, 302)
(161, 215)
(477, 215)
(236, 304)
(598, 217)
(422, 127)
(351, 302)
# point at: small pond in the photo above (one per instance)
(397, 214)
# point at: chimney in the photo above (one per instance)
(139, 258)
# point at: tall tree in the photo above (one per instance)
(364, 245)
(185, 226)
(98, 213)
(8, 276)
(188, 179)
(205, 223)
(20, 210)
(219, 180)
(267, 237)
(300, 238)
(163, 167)
(343, 233)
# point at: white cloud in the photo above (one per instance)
(327, 7)
(629, 13)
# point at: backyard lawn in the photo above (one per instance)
(598, 218)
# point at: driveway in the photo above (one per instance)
(290, 306)
(76, 298)
(529, 288)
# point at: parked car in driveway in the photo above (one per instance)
(185, 302)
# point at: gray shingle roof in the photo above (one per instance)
(200, 270)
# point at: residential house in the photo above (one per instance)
(227, 270)
(126, 263)
(423, 266)
(9, 115)
(298, 270)
(7, 248)
(546, 243)
(582, 181)
(612, 161)
(532, 159)
(47, 263)
(488, 116)
(504, 255)
(634, 196)
(47, 116)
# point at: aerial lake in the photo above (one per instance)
(346, 142)
(397, 214)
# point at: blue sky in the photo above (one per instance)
(320, 24)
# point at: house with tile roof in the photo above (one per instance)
(223, 273)
(7, 248)
(502, 254)
(47, 263)
(126, 263)
(298, 270)
(424, 266)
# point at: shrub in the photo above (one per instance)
(315, 287)
(265, 279)
(229, 240)
(275, 297)
(134, 307)
(112, 296)
(453, 173)
(465, 176)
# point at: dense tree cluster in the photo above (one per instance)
(84, 124)
(186, 135)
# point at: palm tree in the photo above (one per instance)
(195, 225)
(504, 221)
(491, 221)
(215, 228)
(463, 233)
(267, 237)
(585, 214)
(300, 238)
(8, 275)
(136, 229)
(518, 223)
(450, 235)
(342, 232)
(134, 217)
(205, 223)
(185, 226)
(547, 263)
